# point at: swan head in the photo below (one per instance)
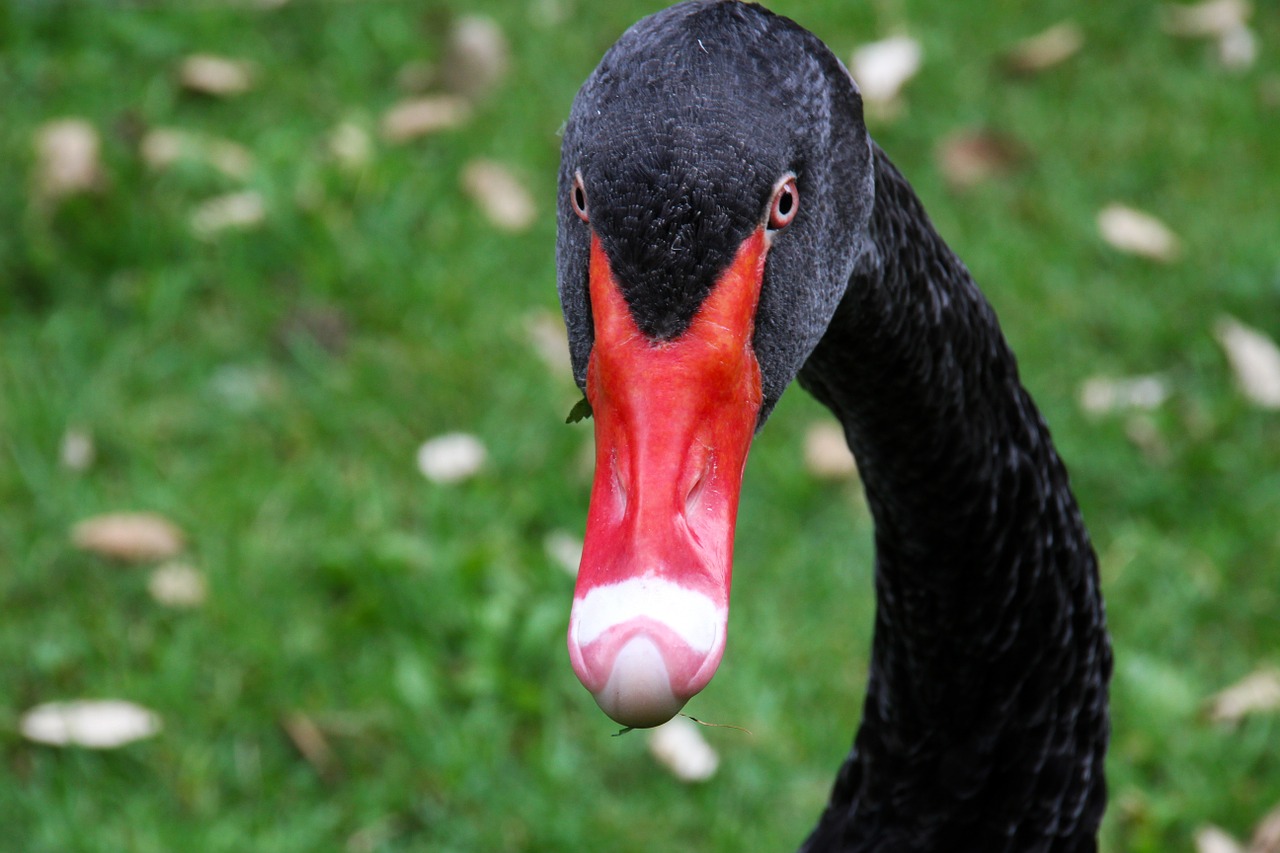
(715, 188)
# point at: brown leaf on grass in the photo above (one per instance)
(1257, 692)
(1210, 19)
(565, 550)
(882, 68)
(129, 536)
(311, 743)
(178, 585)
(216, 76)
(1100, 395)
(1137, 233)
(90, 723)
(969, 157)
(233, 211)
(549, 340)
(77, 451)
(1046, 49)
(476, 58)
(68, 159)
(1212, 839)
(679, 746)
(1255, 360)
(326, 327)
(163, 147)
(419, 117)
(1266, 836)
(451, 458)
(350, 145)
(504, 200)
(826, 454)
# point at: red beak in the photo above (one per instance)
(674, 421)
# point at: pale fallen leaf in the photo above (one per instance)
(310, 742)
(129, 536)
(91, 723)
(969, 157)
(1238, 49)
(476, 58)
(1144, 434)
(1266, 836)
(77, 451)
(1255, 360)
(350, 145)
(178, 585)
(1100, 395)
(411, 119)
(239, 211)
(549, 340)
(1137, 233)
(451, 457)
(1257, 692)
(163, 147)
(565, 550)
(67, 158)
(218, 76)
(1210, 19)
(882, 68)
(1045, 49)
(504, 200)
(1211, 839)
(826, 453)
(679, 746)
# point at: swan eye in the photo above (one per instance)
(786, 201)
(578, 199)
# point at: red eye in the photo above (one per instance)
(786, 201)
(578, 199)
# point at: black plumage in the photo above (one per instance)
(985, 723)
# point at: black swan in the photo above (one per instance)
(726, 225)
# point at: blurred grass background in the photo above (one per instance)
(267, 390)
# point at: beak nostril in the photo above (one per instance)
(693, 499)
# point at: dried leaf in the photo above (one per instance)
(77, 451)
(504, 200)
(1238, 49)
(1046, 49)
(129, 536)
(412, 119)
(1211, 839)
(882, 68)
(350, 146)
(565, 550)
(233, 211)
(1259, 691)
(1266, 836)
(218, 76)
(310, 742)
(163, 147)
(969, 157)
(477, 57)
(679, 746)
(68, 159)
(1254, 358)
(178, 585)
(826, 453)
(1101, 395)
(549, 340)
(1210, 19)
(91, 723)
(1137, 233)
(451, 458)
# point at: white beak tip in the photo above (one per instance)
(638, 692)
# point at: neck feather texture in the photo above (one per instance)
(985, 722)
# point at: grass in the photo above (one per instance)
(421, 625)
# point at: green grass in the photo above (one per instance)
(422, 625)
